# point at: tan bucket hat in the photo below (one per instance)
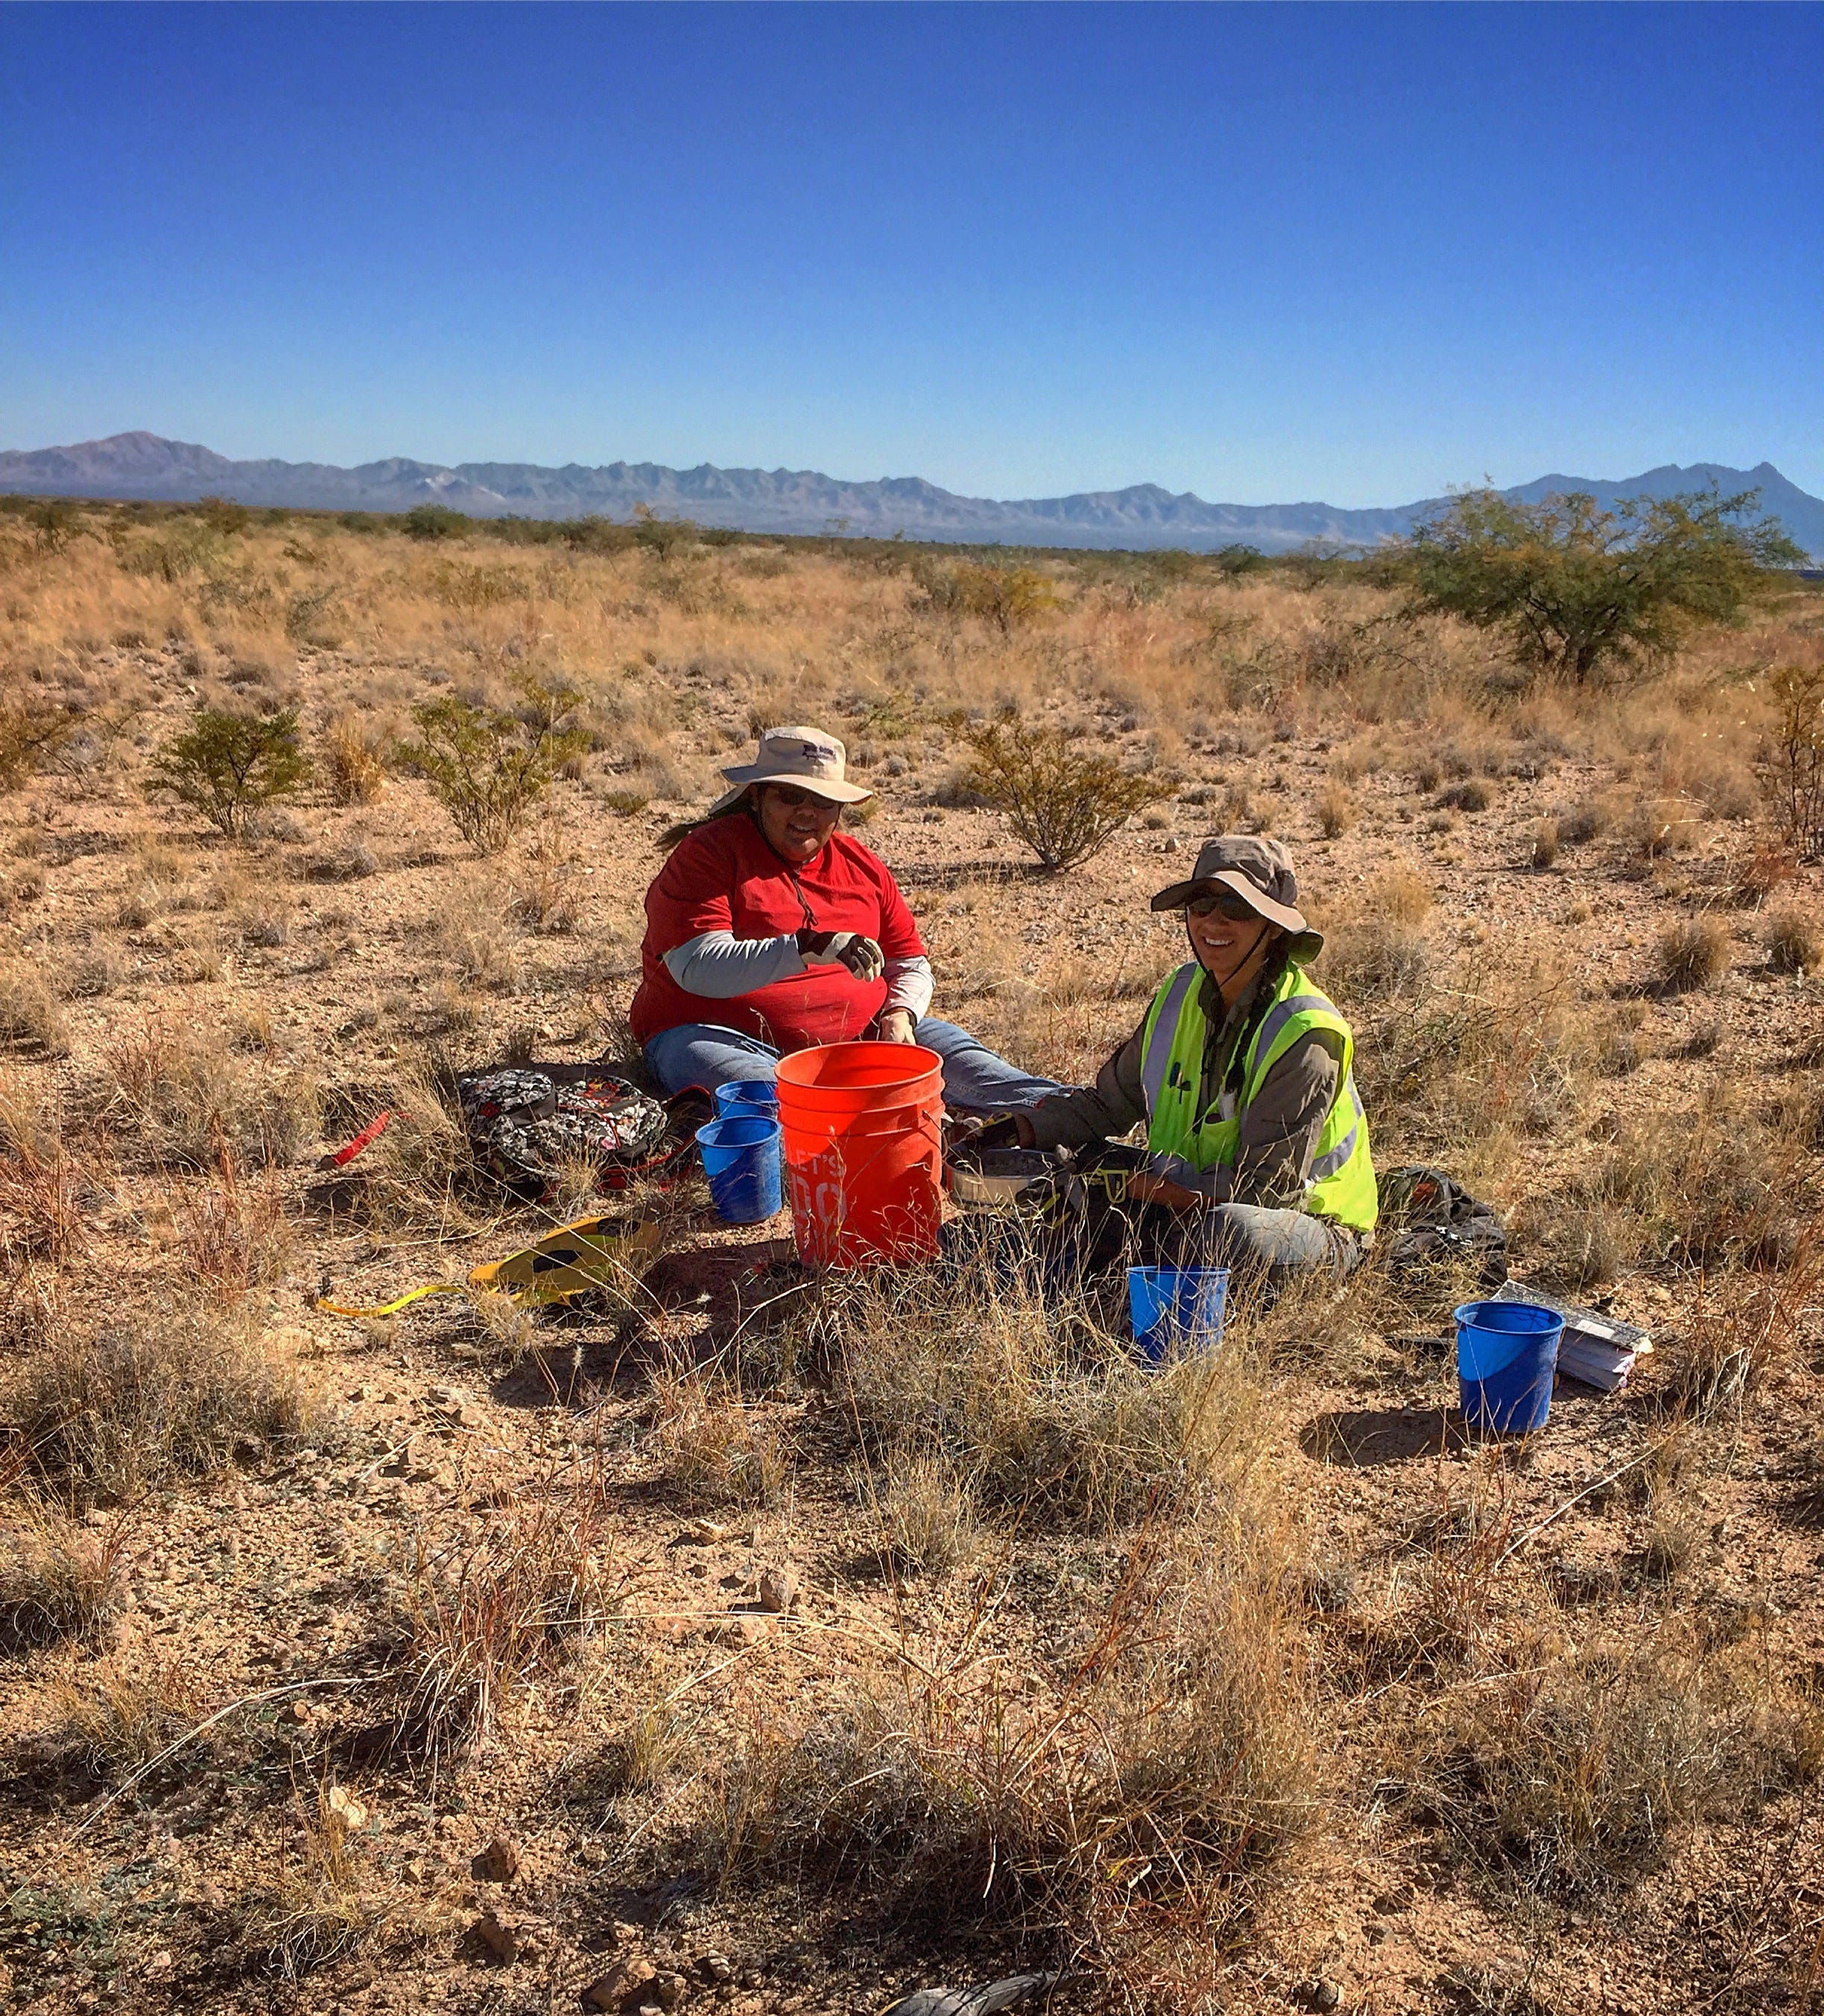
(802, 756)
(1260, 871)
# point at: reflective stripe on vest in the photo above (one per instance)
(1161, 1022)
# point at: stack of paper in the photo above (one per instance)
(1599, 1350)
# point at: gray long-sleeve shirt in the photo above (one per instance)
(719, 966)
(1280, 1126)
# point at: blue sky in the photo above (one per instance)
(1264, 253)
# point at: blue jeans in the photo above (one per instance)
(699, 1054)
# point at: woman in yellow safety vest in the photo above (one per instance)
(1257, 1144)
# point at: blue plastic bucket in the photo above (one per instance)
(1177, 1311)
(742, 1098)
(1507, 1355)
(741, 1158)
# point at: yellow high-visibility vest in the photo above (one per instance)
(1182, 1143)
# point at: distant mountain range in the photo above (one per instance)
(783, 500)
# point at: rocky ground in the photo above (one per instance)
(480, 1660)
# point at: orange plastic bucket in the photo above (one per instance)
(863, 1133)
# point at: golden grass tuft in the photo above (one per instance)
(60, 1581)
(1692, 955)
(159, 1394)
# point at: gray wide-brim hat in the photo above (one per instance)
(806, 757)
(1259, 871)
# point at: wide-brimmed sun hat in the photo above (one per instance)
(1259, 871)
(806, 757)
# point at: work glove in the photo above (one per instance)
(862, 956)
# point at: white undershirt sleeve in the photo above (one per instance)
(908, 986)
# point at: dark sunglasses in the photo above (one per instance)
(1231, 908)
(791, 797)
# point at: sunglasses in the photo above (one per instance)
(791, 797)
(1231, 908)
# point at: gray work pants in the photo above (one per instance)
(1253, 1239)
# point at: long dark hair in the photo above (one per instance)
(746, 805)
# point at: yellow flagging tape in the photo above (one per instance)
(403, 1301)
(593, 1253)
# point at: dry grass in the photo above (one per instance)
(1576, 1770)
(1031, 1396)
(1129, 1798)
(31, 1018)
(477, 1622)
(1691, 954)
(352, 757)
(1066, 1680)
(1793, 942)
(715, 1448)
(927, 1517)
(191, 1100)
(158, 1395)
(115, 1714)
(60, 1581)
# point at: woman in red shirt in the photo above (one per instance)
(770, 931)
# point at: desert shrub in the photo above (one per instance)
(1693, 954)
(34, 729)
(1064, 804)
(1582, 591)
(226, 766)
(1793, 942)
(159, 1394)
(54, 520)
(1545, 839)
(1798, 772)
(486, 767)
(352, 764)
(1473, 794)
(433, 521)
(661, 537)
(1006, 597)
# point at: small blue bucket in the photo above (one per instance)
(742, 1098)
(741, 1158)
(1177, 1311)
(1507, 1356)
